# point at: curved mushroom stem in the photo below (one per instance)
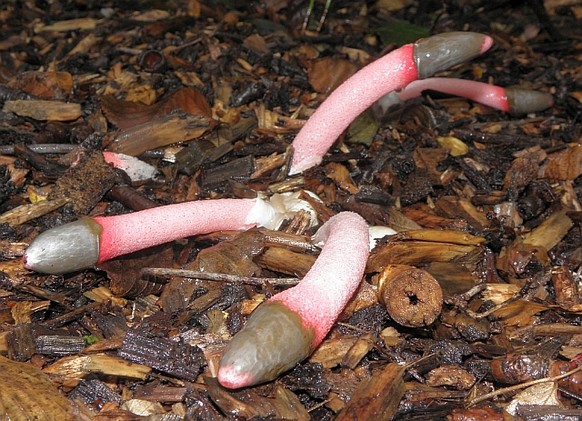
(88, 241)
(511, 100)
(289, 326)
(393, 71)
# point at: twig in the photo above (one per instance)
(220, 277)
(522, 386)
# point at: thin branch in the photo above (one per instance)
(522, 386)
(220, 277)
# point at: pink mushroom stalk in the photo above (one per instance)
(90, 241)
(391, 72)
(511, 100)
(288, 327)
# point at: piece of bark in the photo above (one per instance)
(72, 369)
(564, 165)
(285, 261)
(358, 350)
(333, 351)
(341, 176)
(125, 272)
(46, 85)
(233, 257)
(452, 376)
(43, 109)
(20, 342)
(160, 393)
(550, 232)
(95, 392)
(454, 279)
(523, 170)
(423, 215)
(239, 169)
(376, 399)
(455, 207)
(469, 328)
(126, 114)
(162, 131)
(565, 287)
(85, 183)
(58, 344)
(24, 213)
(417, 252)
(174, 358)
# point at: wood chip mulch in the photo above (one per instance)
(472, 311)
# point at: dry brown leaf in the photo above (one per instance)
(328, 73)
(539, 394)
(126, 114)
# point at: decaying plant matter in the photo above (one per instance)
(207, 199)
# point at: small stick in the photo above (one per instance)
(521, 386)
(220, 277)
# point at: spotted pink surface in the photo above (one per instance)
(127, 233)
(334, 277)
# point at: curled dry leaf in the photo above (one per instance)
(27, 394)
(126, 114)
(328, 73)
(539, 394)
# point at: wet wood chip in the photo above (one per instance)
(43, 109)
(174, 358)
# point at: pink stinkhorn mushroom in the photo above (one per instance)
(90, 241)
(391, 72)
(511, 100)
(289, 326)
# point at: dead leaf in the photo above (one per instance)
(326, 74)
(539, 394)
(126, 114)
